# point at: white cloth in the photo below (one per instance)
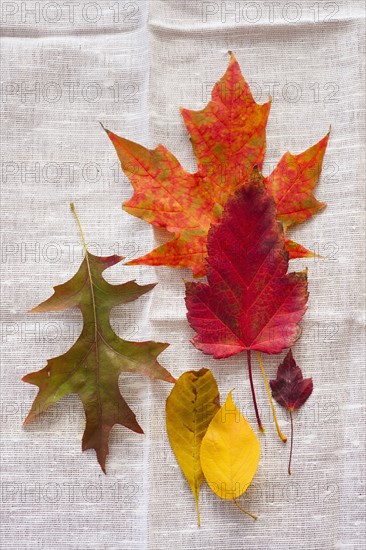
(64, 68)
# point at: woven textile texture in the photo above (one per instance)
(131, 65)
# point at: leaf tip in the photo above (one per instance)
(110, 134)
(136, 261)
(229, 399)
(30, 415)
(171, 379)
(232, 57)
(104, 128)
(150, 286)
(101, 457)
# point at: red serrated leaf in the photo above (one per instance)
(250, 302)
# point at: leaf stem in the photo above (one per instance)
(280, 434)
(292, 440)
(96, 332)
(242, 509)
(72, 206)
(253, 392)
(198, 514)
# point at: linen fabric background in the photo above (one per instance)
(131, 65)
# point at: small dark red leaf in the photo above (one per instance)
(290, 389)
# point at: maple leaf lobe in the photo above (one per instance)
(228, 134)
(292, 183)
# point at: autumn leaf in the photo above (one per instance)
(228, 139)
(230, 453)
(190, 407)
(250, 302)
(292, 182)
(291, 390)
(91, 368)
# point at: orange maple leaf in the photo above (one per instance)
(229, 140)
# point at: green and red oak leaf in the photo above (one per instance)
(92, 367)
(229, 140)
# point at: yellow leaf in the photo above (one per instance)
(190, 407)
(229, 452)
